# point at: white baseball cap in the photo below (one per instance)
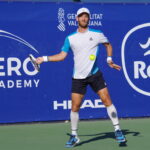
(83, 10)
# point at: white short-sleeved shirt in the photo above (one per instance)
(84, 46)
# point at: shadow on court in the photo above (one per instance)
(106, 135)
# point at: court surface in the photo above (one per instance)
(94, 135)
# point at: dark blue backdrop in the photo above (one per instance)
(25, 27)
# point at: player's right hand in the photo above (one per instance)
(39, 60)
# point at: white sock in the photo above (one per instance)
(112, 113)
(74, 116)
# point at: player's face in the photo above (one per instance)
(83, 20)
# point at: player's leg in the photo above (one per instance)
(74, 115)
(112, 113)
(98, 84)
(78, 91)
(111, 110)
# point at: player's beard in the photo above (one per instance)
(83, 25)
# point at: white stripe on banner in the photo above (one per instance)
(61, 27)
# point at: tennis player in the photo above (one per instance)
(84, 44)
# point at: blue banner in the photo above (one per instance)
(40, 29)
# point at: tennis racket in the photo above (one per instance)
(33, 61)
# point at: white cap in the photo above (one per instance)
(83, 10)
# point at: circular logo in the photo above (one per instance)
(135, 53)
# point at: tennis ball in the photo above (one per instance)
(92, 57)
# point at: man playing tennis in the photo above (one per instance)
(84, 44)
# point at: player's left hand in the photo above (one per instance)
(115, 66)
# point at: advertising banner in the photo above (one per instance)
(40, 29)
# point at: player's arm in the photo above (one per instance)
(58, 57)
(110, 62)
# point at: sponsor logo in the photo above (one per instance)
(69, 19)
(61, 19)
(145, 46)
(15, 71)
(66, 104)
(136, 58)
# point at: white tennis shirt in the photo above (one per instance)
(85, 50)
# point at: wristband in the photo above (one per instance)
(45, 58)
(109, 58)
